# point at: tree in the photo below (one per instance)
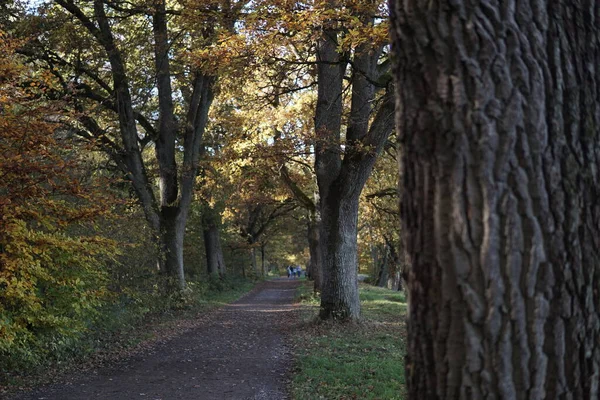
(343, 166)
(499, 112)
(179, 96)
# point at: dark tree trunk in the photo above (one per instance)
(395, 265)
(215, 262)
(171, 241)
(262, 260)
(315, 252)
(383, 269)
(253, 260)
(499, 111)
(339, 295)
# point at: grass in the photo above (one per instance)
(352, 361)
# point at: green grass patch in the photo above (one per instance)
(352, 361)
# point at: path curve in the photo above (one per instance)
(239, 352)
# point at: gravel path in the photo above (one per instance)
(238, 352)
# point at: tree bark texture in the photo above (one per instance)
(499, 114)
(339, 255)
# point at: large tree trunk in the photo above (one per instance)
(339, 295)
(212, 243)
(499, 111)
(171, 239)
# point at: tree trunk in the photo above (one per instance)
(212, 243)
(383, 269)
(394, 281)
(499, 111)
(315, 252)
(262, 260)
(253, 260)
(171, 239)
(339, 297)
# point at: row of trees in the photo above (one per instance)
(284, 107)
(248, 127)
(169, 91)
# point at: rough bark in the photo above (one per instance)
(339, 295)
(499, 115)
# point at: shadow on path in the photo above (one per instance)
(239, 352)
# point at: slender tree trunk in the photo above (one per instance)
(262, 260)
(384, 269)
(315, 252)
(374, 260)
(499, 111)
(253, 260)
(212, 244)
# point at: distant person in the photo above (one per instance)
(289, 271)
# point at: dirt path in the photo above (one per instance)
(240, 352)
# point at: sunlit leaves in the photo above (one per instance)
(50, 281)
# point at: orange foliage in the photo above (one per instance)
(50, 281)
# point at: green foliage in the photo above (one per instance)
(353, 361)
(53, 285)
(51, 282)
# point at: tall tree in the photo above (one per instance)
(120, 91)
(499, 112)
(343, 164)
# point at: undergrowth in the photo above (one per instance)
(116, 329)
(352, 361)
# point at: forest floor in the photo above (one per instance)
(241, 351)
